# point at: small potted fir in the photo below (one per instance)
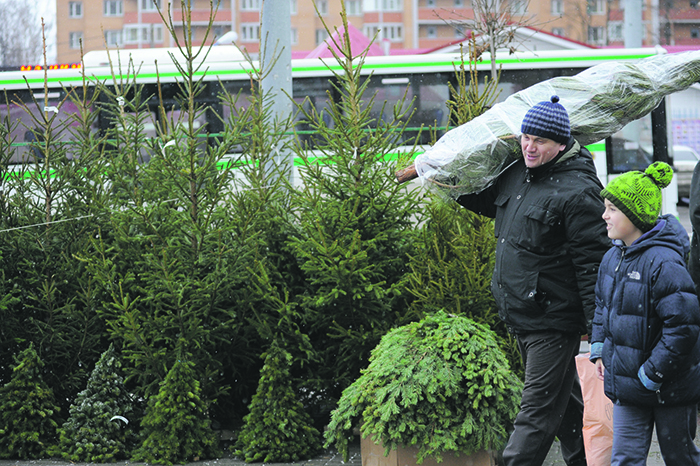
(438, 387)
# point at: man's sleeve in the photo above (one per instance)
(694, 214)
(483, 203)
(588, 240)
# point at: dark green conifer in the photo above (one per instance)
(28, 412)
(101, 425)
(176, 424)
(277, 429)
(452, 263)
(356, 224)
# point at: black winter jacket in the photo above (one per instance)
(694, 213)
(648, 316)
(550, 241)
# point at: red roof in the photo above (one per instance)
(358, 43)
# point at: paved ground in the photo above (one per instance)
(327, 458)
(332, 458)
(683, 217)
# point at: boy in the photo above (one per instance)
(647, 321)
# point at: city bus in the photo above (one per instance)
(422, 80)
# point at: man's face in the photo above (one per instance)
(538, 150)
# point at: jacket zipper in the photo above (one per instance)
(622, 256)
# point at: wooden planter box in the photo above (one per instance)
(373, 455)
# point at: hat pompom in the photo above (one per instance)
(555, 99)
(661, 173)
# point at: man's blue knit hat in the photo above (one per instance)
(548, 120)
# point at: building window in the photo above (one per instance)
(74, 39)
(250, 32)
(559, 32)
(293, 7)
(518, 7)
(459, 32)
(694, 4)
(393, 32)
(430, 3)
(431, 32)
(557, 7)
(615, 31)
(295, 36)
(150, 5)
(596, 35)
(113, 8)
(144, 34)
(322, 6)
(694, 33)
(220, 30)
(131, 35)
(392, 5)
(353, 7)
(250, 5)
(157, 33)
(459, 3)
(321, 35)
(113, 38)
(382, 5)
(596, 7)
(75, 9)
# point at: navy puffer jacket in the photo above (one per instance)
(647, 314)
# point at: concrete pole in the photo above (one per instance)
(633, 25)
(633, 39)
(655, 26)
(276, 56)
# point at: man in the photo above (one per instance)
(694, 214)
(550, 241)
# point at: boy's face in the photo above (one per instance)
(538, 150)
(618, 225)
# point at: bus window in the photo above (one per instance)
(312, 94)
(237, 98)
(25, 133)
(631, 148)
(420, 97)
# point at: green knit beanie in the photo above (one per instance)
(638, 195)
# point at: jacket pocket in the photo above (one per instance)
(541, 230)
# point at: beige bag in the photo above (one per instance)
(597, 414)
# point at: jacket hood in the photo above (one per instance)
(668, 232)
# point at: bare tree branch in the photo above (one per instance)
(495, 23)
(21, 33)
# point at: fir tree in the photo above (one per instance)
(452, 263)
(176, 426)
(100, 428)
(50, 207)
(174, 264)
(356, 225)
(277, 429)
(28, 412)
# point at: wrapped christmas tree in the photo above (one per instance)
(600, 101)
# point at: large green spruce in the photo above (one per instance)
(28, 410)
(277, 429)
(103, 423)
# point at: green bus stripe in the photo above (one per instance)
(329, 66)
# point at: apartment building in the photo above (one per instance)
(400, 25)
